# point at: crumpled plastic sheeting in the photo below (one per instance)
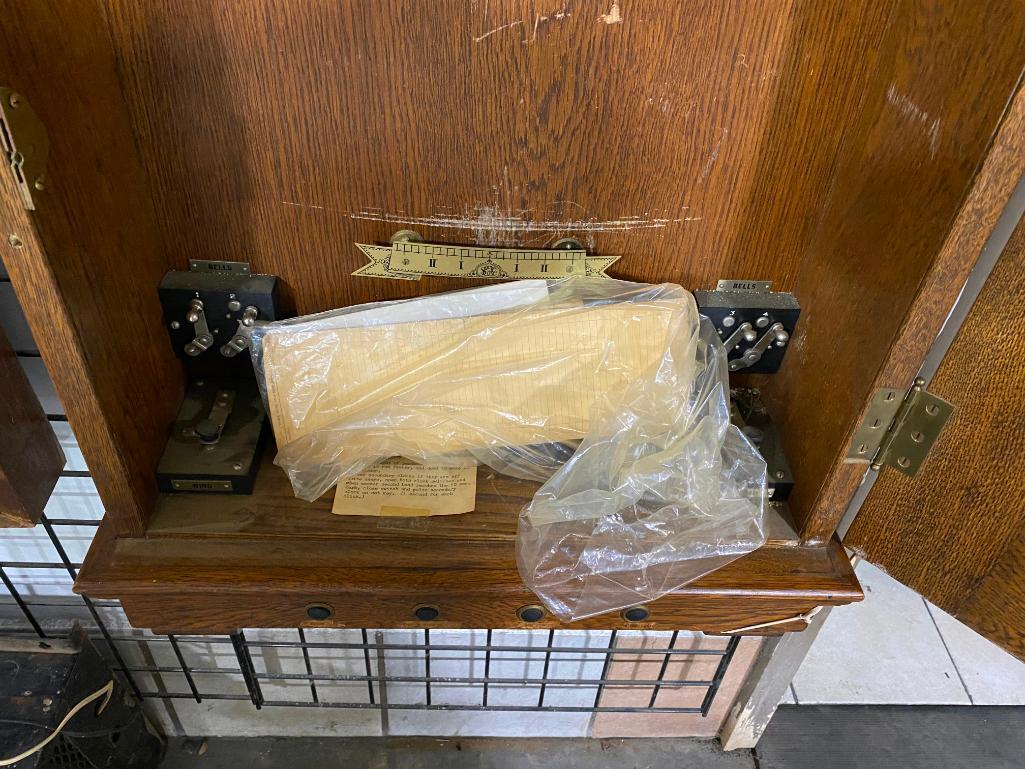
(665, 490)
(613, 394)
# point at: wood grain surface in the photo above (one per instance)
(87, 271)
(31, 458)
(895, 240)
(954, 531)
(696, 139)
(376, 578)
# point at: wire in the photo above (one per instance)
(107, 691)
(74, 733)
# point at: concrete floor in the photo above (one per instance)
(800, 737)
(469, 753)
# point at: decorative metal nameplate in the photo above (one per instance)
(408, 260)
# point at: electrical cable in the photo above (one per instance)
(105, 691)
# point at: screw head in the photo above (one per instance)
(14, 100)
(234, 305)
(762, 321)
(237, 466)
(780, 475)
(39, 185)
(14, 241)
(175, 325)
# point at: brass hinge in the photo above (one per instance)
(25, 145)
(899, 432)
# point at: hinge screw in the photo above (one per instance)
(14, 241)
(39, 185)
(14, 100)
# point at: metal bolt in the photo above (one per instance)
(14, 100)
(14, 241)
(234, 305)
(195, 310)
(175, 325)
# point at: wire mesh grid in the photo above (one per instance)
(549, 670)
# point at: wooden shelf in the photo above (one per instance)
(217, 563)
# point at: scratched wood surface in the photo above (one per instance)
(903, 223)
(954, 532)
(697, 139)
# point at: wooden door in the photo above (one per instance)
(956, 531)
(30, 456)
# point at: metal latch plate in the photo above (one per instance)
(900, 432)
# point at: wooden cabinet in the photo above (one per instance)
(844, 151)
(30, 456)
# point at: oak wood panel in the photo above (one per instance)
(87, 273)
(996, 608)
(895, 241)
(30, 455)
(273, 511)
(692, 138)
(954, 531)
(216, 584)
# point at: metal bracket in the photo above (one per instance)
(202, 341)
(25, 145)
(899, 432)
(754, 322)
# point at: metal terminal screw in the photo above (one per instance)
(728, 321)
(195, 311)
(249, 315)
(175, 325)
(14, 241)
(234, 305)
(762, 321)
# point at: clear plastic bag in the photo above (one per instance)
(613, 394)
